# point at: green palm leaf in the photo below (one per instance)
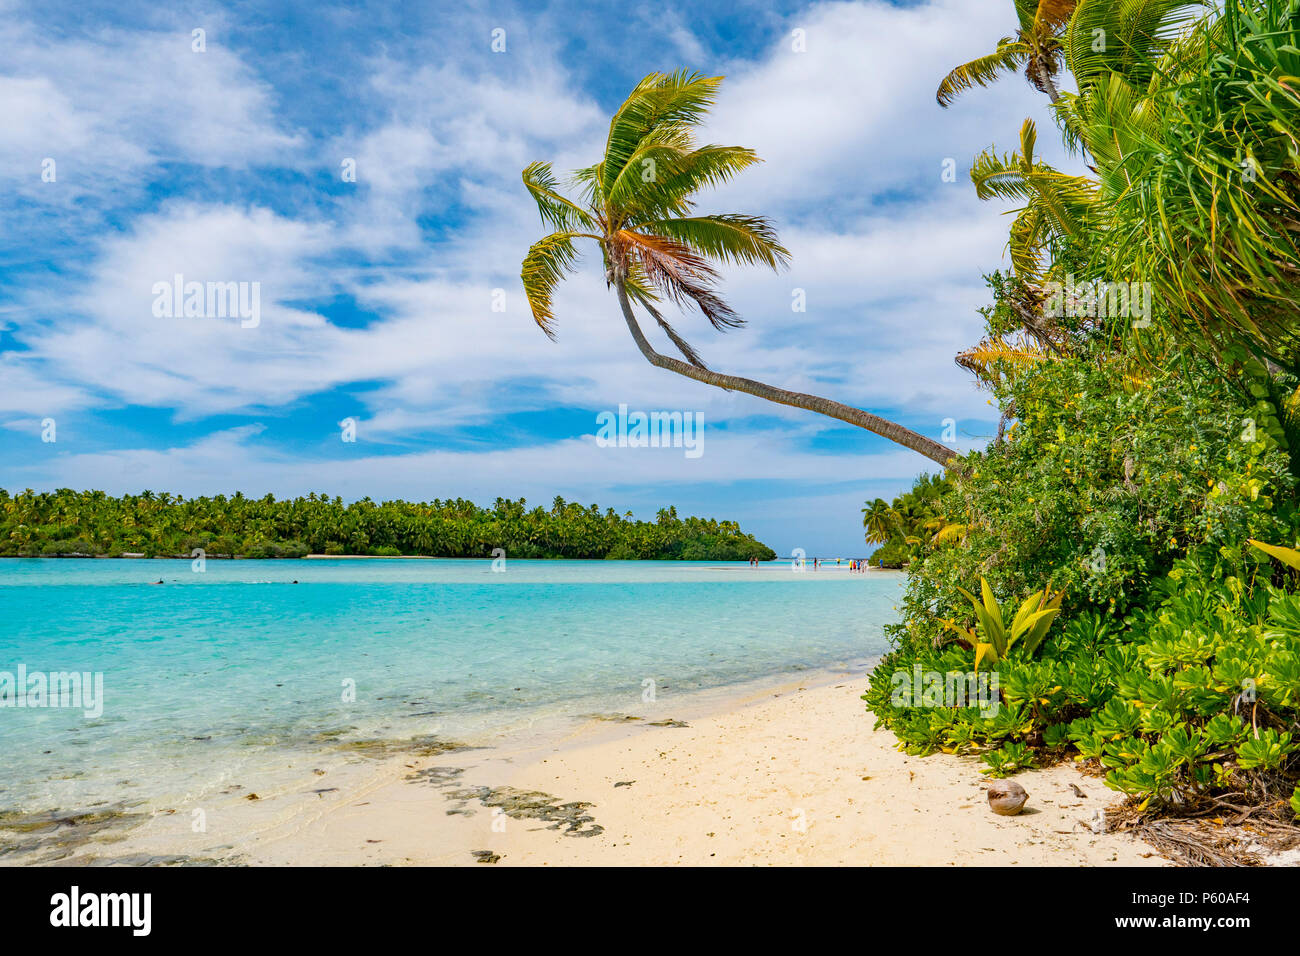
(555, 209)
(746, 240)
(660, 101)
(684, 175)
(547, 262)
(1009, 57)
(1124, 37)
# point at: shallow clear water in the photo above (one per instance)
(216, 674)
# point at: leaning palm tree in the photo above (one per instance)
(1036, 48)
(637, 205)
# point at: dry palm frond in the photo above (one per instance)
(950, 532)
(997, 358)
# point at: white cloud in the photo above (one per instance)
(247, 457)
(108, 107)
(855, 115)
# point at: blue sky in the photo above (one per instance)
(376, 296)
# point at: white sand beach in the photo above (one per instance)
(782, 775)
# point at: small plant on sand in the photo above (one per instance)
(1009, 760)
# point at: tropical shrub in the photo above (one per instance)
(1026, 630)
(1144, 470)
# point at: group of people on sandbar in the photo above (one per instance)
(855, 564)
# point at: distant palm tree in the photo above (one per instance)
(1036, 48)
(880, 520)
(637, 206)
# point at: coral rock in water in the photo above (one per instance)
(1007, 797)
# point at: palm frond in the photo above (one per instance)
(1026, 243)
(747, 240)
(997, 358)
(1051, 16)
(1124, 37)
(681, 274)
(1064, 200)
(557, 211)
(1057, 205)
(999, 177)
(1010, 55)
(1028, 140)
(659, 150)
(547, 262)
(661, 100)
(685, 175)
(949, 533)
(587, 181)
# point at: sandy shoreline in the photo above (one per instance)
(790, 774)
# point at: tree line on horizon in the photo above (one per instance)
(93, 523)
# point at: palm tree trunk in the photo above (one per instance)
(823, 406)
(1052, 92)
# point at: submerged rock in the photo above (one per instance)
(52, 835)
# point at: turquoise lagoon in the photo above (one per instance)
(215, 675)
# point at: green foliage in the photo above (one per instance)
(1194, 693)
(1265, 752)
(1198, 166)
(89, 523)
(1101, 484)
(1149, 471)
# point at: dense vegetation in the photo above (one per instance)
(92, 523)
(1102, 558)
